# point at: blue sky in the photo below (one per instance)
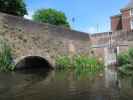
(90, 15)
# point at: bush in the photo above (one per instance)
(130, 52)
(5, 57)
(125, 61)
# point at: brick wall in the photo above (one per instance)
(126, 20)
(116, 23)
(122, 38)
(121, 21)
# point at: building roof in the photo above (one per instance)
(128, 6)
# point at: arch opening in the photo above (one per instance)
(33, 62)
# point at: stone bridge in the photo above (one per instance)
(32, 42)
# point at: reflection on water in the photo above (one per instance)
(110, 78)
(51, 85)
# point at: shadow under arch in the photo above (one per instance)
(33, 62)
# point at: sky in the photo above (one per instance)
(90, 16)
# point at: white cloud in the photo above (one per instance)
(91, 30)
(29, 16)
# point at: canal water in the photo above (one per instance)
(61, 85)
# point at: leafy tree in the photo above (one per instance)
(51, 16)
(14, 7)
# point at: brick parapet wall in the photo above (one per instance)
(117, 36)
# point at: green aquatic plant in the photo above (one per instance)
(5, 57)
(81, 64)
(87, 66)
(63, 62)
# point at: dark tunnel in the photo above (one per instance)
(33, 62)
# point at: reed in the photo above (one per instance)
(5, 56)
(80, 64)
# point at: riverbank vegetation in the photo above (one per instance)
(5, 57)
(125, 62)
(80, 64)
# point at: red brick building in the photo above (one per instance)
(124, 20)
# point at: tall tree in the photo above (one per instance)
(14, 7)
(51, 16)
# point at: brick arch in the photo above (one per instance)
(33, 62)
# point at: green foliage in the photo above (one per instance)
(5, 57)
(130, 52)
(51, 16)
(63, 62)
(125, 61)
(14, 7)
(87, 66)
(80, 63)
